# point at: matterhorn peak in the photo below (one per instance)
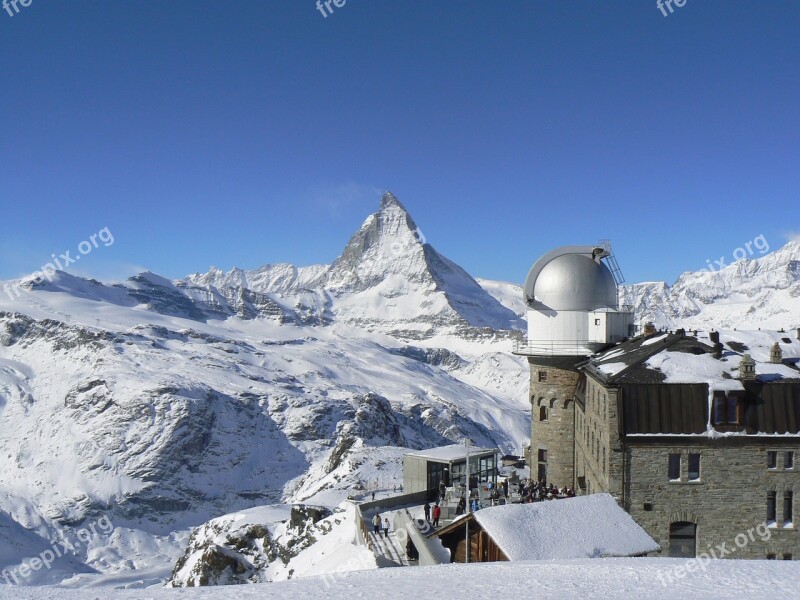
(389, 200)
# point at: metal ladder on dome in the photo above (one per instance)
(613, 265)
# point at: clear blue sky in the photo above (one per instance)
(245, 132)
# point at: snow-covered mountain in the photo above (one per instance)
(387, 279)
(750, 293)
(161, 404)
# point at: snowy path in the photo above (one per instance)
(388, 551)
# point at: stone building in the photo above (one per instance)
(696, 435)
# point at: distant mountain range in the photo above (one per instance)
(751, 293)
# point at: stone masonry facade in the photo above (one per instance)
(552, 392)
(728, 498)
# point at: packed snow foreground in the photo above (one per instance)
(589, 579)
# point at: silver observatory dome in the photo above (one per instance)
(571, 278)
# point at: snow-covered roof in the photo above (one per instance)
(582, 527)
(452, 452)
(675, 358)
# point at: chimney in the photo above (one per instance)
(747, 368)
(776, 354)
(650, 329)
(714, 337)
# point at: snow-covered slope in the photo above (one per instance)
(162, 404)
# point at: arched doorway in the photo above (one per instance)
(682, 539)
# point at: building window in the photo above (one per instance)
(787, 556)
(542, 471)
(543, 413)
(788, 460)
(674, 467)
(597, 321)
(771, 507)
(772, 459)
(787, 509)
(542, 376)
(694, 467)
(682, 540)
(726, 411)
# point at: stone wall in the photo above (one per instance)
(554, 434)
(728, 500)
(598, 448)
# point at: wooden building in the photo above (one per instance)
(586, 527)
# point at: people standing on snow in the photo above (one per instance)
(437, 512)
(386, 527)
(373, 496)
(427, 509)
(442, 490)
(376, 524)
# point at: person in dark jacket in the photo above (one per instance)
(462, 506)
(427, 509)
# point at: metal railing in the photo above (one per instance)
(553, 348)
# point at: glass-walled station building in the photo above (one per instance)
(424, 469)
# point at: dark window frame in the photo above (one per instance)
(772, 503)
(788, 502)
(673, 463)
(682, 539)
(772, 459)
(727, 411)
(698, 471)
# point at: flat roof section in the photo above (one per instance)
(451, 453)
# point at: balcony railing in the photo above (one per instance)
(556, 348)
